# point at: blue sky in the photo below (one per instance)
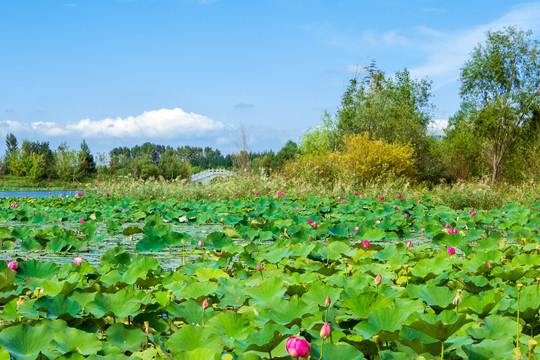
(188, 72)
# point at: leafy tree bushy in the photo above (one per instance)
(369, 158)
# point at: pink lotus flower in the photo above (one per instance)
(200, 243)
(356, 228)
(472, 213)
(378, 222)
(355, 194)
(80, 194)
(488, 264)
(378, 279)
(78, 260)
(82, 220)
(400, 196)
(106, 193)
(451, 250)
(310, 221)
(297, 348)
(205, 304)
(325, 330)
(13, 265)
(280, 193)
(344, 200)
(315, 224)
(256, 193)
(447, 226)
(327, 301)
(235, 194)
(381, 198)
(209, 195)
(297, 208)
(259, 267)
(123, 210)
(366, 243)
(395, 207)
(422, 230)
(409, 243)
(126, 194)
(406, 215)
(419, 201)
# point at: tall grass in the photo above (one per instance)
(480, 194)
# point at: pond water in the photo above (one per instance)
(34, 194)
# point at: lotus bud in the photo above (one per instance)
(409, 243)
(396, 207)
(451, 250)
(205, 304)
(327, 302)
(365, 243)
(297, 348)
(297, 208)
(82, 220)
(200, 243)
(381, 198)
(356, 228)
(13, 265)
(355, 194)
(259, 267)
(447, 226)
(310, 221)
(488, 264)
(146, 327)
(378, 279)
(78, 260)
(458, 297)
(325, 331)
(400, 196)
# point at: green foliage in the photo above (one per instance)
(322, 139)
(369, 158)
(502, 81)
(87, 165)
(392, 109)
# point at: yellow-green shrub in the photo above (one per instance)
(369, 158)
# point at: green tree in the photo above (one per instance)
(66, 162)
(87, 165)
(502, 80)
(393, 109)
(321, 139)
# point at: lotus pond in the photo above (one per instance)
(235, 279)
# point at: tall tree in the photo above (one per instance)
(394, 109)
(502, 79)
(11, 144)
(87, 165)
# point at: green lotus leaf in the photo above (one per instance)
(125, 337)
(440, 326)
(7, 277)
(132, 230)
(276, 254)
(481, 305)
(198, 354)
(509, 273)
(494, 327)
(429, 268)
(34, 268)
(190, 311)
(197, 289)
(58, 306)
(218, 240)
(339, 351)
(374, 235)
(268, 338)
(151, 243)
(268, 294)
(4, 355)
(289, 312)
(73, 340)
(230, 326)
(439, 297)
(119, 305)
(360, 306)
(116, 256)
(318, 291)
(192, 337)
(24, 341)
(490, 349)
(206, 273)
(392, 355)
(385, 322)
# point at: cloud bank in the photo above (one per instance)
(155, 124)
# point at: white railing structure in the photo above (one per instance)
(204, 177)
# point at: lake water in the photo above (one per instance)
(34, 194)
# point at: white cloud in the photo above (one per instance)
(437, 126)
(163, 123)
(447, 52)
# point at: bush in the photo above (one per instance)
(369, 158)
